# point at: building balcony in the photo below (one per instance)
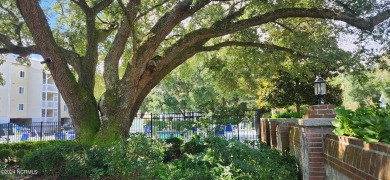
(50, 119)
(50, 104)
(49, 88)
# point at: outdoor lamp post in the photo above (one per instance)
(320, 89)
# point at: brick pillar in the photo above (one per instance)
(282, 133)
(307, 140)
(320, 111)
(272, 132)
(264, 129)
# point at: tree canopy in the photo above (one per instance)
(285, 90)
(137, 43)
(194, 86)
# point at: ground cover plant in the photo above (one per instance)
(369, 123)
(217, 158)
(289, 114)
(147, 158)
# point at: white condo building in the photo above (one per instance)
(29, 94)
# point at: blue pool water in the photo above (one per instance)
(164, 135)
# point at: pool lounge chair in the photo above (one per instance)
(220, 130)
(148, 130)
(24, 137)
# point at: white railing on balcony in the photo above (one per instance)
(50, 119)
(49, 104)
(49, 87)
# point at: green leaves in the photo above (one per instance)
(221, 159)
(369, 123)
(286, 89)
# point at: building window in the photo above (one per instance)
(20, 107)
(22, 74)
(65, 108)
(21, 90)
(44, 77)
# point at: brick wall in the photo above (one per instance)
(295, 145)
(272, 132)
(322, 155)
(307, 141)
(315, 139)
(264, 129)
(275, 132)
(283, 134)
(356, 159)
(320, 111)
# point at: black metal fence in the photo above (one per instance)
(228, 125)
(241, 126)
(39, 131)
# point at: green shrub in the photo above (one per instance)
(57, 160)
(142, 158)
(222, 159)
(172, 150)
(3, 167)
(20, 154)
(19, 150)
(139, 158)
(288, 114)
(31, 145)
(194, 146)
(5, 155)
(369, 123)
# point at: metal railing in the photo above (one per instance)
(49, 87)
(40, 131)
(49, 104)
(227, 125)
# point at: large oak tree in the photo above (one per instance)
(148, 39)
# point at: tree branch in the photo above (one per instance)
(284, 26)
(10, 12)
(73, 59)
(158, 33)
(199, 37)
(361, 23)
(101, 5)
(82, 4)
(48, 48)
(131, 12)
(11, 48)
(18, 30)
(202, 35)
(266, 47)
(6, 41)
(89, 63)
(18, 25)
(165, 25)
(21, 51)
(345, 7)
(150, 9)
(380, 17)
(111, 61)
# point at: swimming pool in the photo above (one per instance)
(168, 134)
